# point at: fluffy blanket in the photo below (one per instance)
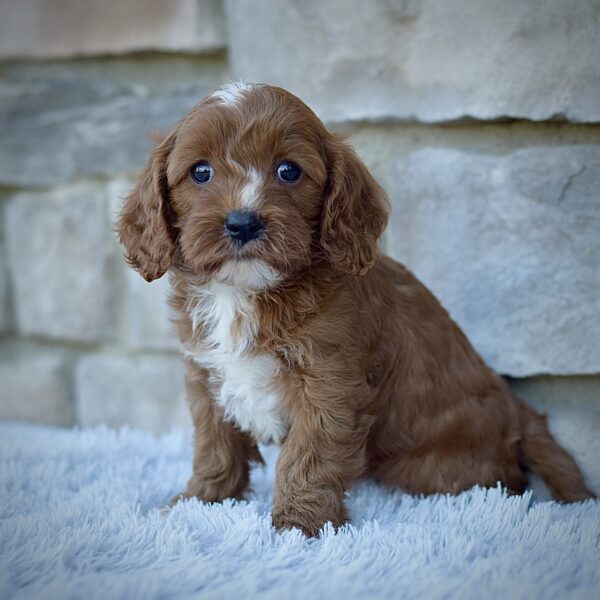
(81, 518)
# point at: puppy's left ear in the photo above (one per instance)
(145, 224)
(355, 212)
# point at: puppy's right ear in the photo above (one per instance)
(145, 226)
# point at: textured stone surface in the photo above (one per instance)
(422, 59)
(5, 322)
(510, 246)
(144, 392)
(34, 388)
(60, 28)
(573, 408)
(148, 313)
(60, 255)
(377, 143)
(60, 123)
(5, 308)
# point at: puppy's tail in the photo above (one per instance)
(541, 453)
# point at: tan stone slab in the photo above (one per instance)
(509, 243)
(66, 120)
(143, 391)
(425, 60)
(34, 388)
(63, 28)
(60, 257)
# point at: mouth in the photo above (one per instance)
(249, 250)
(249, 273)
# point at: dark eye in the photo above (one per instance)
(288, 172)
(202, 173)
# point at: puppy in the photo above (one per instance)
(296, 330)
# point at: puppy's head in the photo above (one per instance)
(250, 189)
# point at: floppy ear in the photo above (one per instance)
(355, 211)
(145, 225)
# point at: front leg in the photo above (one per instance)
(323, 454)
(221, 451)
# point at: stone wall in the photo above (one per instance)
(482, 121)
(82, 86)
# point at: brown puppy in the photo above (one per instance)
(296, 330)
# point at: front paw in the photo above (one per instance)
(210, 490)
(310, 523)
(177, 498)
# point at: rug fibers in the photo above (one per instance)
(80, 517)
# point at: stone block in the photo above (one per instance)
(5, 309)
(63, 123)
(510, 246)
(35, 388)
(145, 392)
(424, 60)
(60, 258)
(573, 408)
(63, 28)
(149, 314)
(5, 322)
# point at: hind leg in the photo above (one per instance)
(435, 472)
(472, 440)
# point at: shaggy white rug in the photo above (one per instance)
(80, 518)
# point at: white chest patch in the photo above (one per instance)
(246, 385)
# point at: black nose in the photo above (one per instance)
(243, 226)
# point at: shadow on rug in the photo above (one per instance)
(81, 519)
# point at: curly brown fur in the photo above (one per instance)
(307, 336)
